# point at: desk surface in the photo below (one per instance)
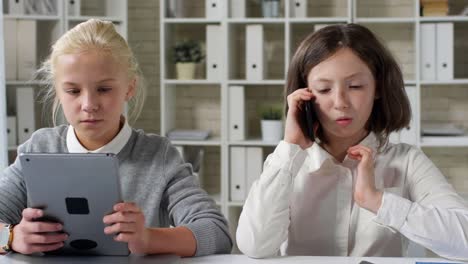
(231, 259)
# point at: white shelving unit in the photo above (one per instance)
(49, 29)
(397, 23)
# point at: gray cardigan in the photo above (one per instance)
(152, 174)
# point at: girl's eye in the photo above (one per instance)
(355, 86)
(72, 91)
(324, 91)
(104, 89)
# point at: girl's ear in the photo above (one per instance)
(131, 90)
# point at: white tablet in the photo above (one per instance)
(77, 190)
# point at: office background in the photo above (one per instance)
(216, 97)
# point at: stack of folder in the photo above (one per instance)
(434, 7)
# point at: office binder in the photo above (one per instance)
(16, 7)
(299, 8)
(214, 9)
(410, 135)
(11, 131)
(254, 161)
(428, 51)
(25, 113)
(74, 7)
(236, 108)
(237, 174)
(27, 53)
(237, 8)
(255, 65)
(214, 53)
(444, 53)
(10, 49)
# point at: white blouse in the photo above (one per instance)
(302, 204)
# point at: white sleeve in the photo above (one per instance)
(436, 218)
(264, 221)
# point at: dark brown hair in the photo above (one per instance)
(391, 111)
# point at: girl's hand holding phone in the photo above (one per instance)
(296, 105)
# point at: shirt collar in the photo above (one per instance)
(321, 156)
(114, 146)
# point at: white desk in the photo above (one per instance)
(242, 259)
(216, 259)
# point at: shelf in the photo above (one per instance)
(385, 20)
(256, 20)
(34, 17)
(410, 82)
(444, 141)
(319, 20)
(444, 19)
(20, 83)
(191, 82)
(210, 142)
(261, 82)
(191, 21)
(447, 82)
(253, 142)
(84, 18)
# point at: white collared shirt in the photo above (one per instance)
(114, 146)
(303, 205)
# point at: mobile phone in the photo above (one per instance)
(310, 118)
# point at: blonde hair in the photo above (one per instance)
(96, 35)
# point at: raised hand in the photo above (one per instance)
(366, 194)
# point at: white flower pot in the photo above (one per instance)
(185, 71)
(272, 130)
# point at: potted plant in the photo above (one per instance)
(187, 53)
(271, 123)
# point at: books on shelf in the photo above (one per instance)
(33, 7)
(188, 134)
(434, 8)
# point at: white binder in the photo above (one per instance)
(299, 8)
(11, 131)
(236, 108)
(27, 53)
(25, 113)
(254, 160)
(237, 174)
(255, 66)
(214, 9)
(214, 53)
(16, 7)
(428, 51)
(74, 7)
(410, 135)
(237, 8)
(444, 52)
(10, 49)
